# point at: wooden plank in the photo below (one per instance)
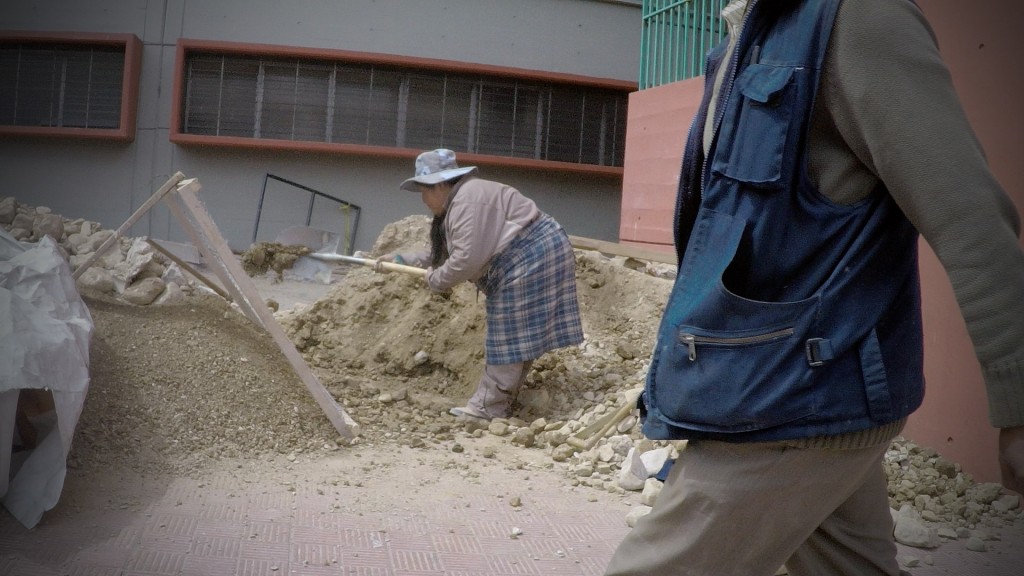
(622, 250)
(156, 197)
(186, 191)
(206, 245)
(188, 268)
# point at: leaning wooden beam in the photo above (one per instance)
(152, 201)
(188, 268)
(252, 303)
(211, 244)
(622, 250)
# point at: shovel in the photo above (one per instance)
(389, 266)
(324, 246)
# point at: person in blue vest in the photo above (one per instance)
(789, 354)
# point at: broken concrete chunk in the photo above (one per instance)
(910, 529)
(8, 209)
(171, 295)
(654, 460)
(1006, 502)
(633, 474)
(652, 488)
(50, 225)
(144, 292)
(23, 221)
(97, 280)
(635, 514)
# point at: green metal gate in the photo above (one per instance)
(675, 38)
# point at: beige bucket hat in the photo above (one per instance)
(434, 167)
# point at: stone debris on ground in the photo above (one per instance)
(185, 384)
(130, 270)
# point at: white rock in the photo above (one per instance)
(635, 514)
(1006, 502)
(654, 460)
(172, 295)
(975, 544)
(633, 473)
(652, 488)
(174, 274)
(908, 561)
(75, 242)
(96, 279)
(626, 424)
(144, 292)
(910, 530)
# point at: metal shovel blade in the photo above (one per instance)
(320, 242)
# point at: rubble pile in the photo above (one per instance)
(130, 270)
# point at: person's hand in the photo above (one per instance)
(1011, 458)
(385, 258)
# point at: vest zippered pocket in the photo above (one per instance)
(691, 341)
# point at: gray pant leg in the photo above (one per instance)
(744, 509)
(498, 387)
(855, 539)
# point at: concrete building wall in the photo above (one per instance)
(979, 44)
(106, 181)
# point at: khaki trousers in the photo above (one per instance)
(498, 387)
(747, 509)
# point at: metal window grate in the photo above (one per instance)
(342, 102)
(61, 85)
(676, 36)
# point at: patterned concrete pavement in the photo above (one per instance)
(316, 518)
(358, 515)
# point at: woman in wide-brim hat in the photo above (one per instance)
(490, 234)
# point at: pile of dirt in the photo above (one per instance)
(390, 331)
(174, 388)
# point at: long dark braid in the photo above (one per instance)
(438, 241)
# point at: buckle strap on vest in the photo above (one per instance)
(819, 351)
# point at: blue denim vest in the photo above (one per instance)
(791, 316)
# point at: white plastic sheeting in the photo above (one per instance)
(45, 329)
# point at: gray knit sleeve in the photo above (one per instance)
(890, 100)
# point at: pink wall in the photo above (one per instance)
(978, 43)
(655, 134)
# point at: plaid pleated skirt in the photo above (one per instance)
(531, 296)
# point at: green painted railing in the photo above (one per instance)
(676, 36)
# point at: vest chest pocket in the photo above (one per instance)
(756, 142)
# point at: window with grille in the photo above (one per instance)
(61, 86)
(316, 100)
(69, 84)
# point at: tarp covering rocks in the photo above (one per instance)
(44, 373)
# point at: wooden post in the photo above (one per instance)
(188, 268)
(249, 300)
(152, 201)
